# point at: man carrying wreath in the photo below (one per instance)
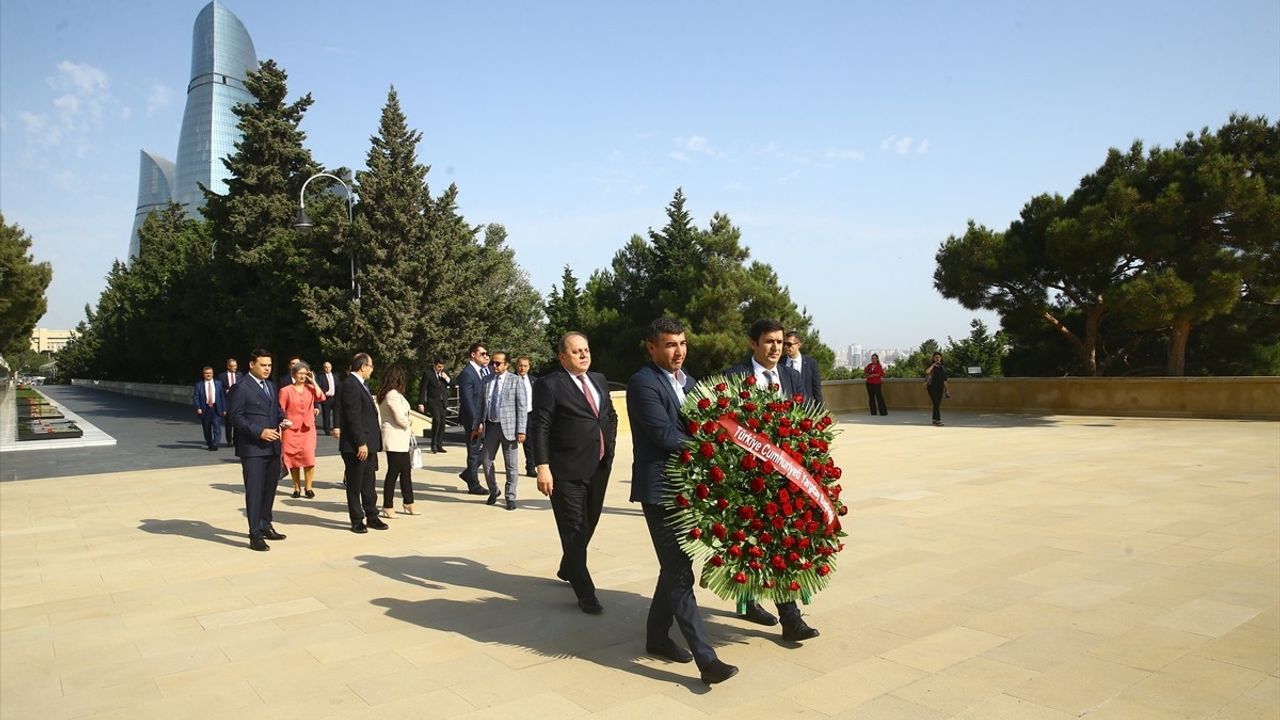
(654, 396)
(766, 339)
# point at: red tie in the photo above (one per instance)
(209, 388)
(231, 379)
(591, 403)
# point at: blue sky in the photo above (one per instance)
(847, 140)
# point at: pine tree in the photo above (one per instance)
(23, 283)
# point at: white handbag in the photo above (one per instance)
(415, 453)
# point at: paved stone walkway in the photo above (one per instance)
(1000, 567)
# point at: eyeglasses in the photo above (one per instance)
(790, 344)
(499, 363)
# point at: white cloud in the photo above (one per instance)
(844, 154)
(679, 156)
(76, 113)
(160, 96)
(902, 145)
(694, 145)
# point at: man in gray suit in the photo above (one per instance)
(505, 418)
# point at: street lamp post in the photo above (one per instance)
(304, 224)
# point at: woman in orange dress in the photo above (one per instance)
(300, 402)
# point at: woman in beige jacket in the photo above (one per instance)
(397, 432)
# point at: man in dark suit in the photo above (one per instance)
(207, 396)
(575, 430)
(654, 396)
(229, 378)
(766, 341)
(255, 411)
(359, 443)
(328, 384)
(471, 413)
(523, 364)
(810, 378)
(432, 393)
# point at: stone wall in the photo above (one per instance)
(1216, 397)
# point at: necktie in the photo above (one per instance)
(591, 403)
(769, 378)
(208, 391)
(265, 389)
(494, 398)
(231, 379)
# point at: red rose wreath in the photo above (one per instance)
(755, 492)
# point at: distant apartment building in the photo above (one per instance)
(47, 340)
(222, 54)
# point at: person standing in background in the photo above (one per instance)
(360, 442)
(935, 381)
(207, 396)
(298, 443)
(504, 427)
(874, 374)
(229, 379)
(328, 384)
(432, 394)
(810, 378)
(471, 413)
(397, 432)
(523, 364)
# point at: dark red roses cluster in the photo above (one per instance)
(760, 534)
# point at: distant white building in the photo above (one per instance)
(47, 340)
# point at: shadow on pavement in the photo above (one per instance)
(922, 418)
(522, 612)
(194, 529)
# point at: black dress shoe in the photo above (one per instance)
(590, 605)
(493, 498)
(360, 529)
(271, 534)
(311, 494)
(296, 494)
(378, 525)
(798, 630)
(257, 543)
(511, 504)
(477, 490)
(717, 672)
(669, 651)
(560, 575)
(758, 615)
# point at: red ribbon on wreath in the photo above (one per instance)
(760, 446)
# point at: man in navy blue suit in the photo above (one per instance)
(229, 378)
(810, 378)
(766, 340)
(207, 398)
(255, 412)
(471, 413)
(654, 396)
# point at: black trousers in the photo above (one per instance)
(261, 478)
(935, 394)
(673, 597)
(397, 467)
(362, 493)
(230, 430)
(475, 459)
(529, 467)
(212, 424)
(326, 416)
(875, 399)
(577, 505)
(436, 408)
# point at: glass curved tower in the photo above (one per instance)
(155, 189)
(221, 55)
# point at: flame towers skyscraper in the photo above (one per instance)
(221, 55)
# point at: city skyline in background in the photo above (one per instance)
(845, 142)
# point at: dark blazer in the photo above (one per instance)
(250, 410)
(202, 403)
(357, 417)
(810, 378)
(432, 390)
(566, 434)
(653, 410)
(789, 379)
(221, 376)
(470, 398)
(322, 382)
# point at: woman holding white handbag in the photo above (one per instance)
(397, 437)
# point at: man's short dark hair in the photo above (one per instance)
(359, 360)
(206, 367)
(791, 334)
(664, 326)
(762, 326)
(525, 358)
(438, 361)
(258, 353)
(564, 340)
(477, 345)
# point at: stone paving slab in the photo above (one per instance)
(999, 567)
